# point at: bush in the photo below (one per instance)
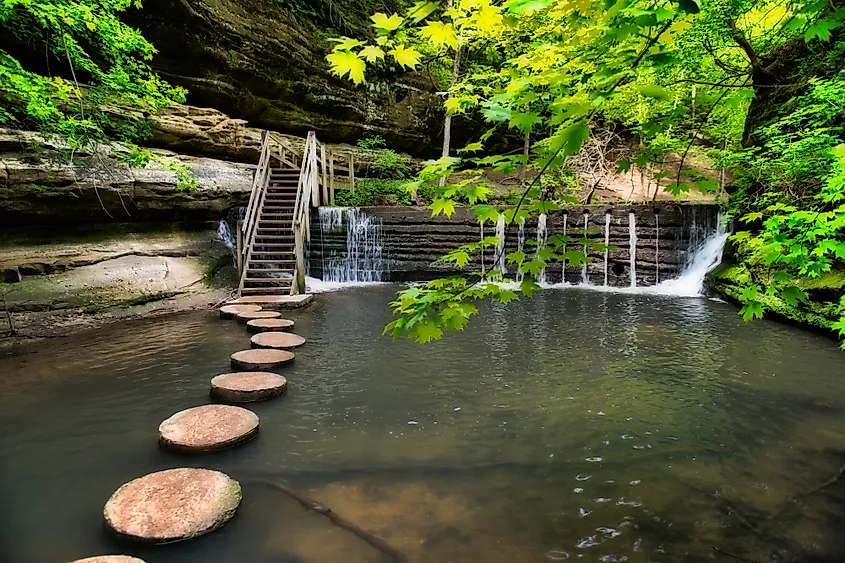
(388, 164)
(372, 143)
(378, 191)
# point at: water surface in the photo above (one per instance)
(578, 425)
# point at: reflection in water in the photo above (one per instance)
(600, 426)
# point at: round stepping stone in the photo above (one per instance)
(173, 505)
(261, 359)
(269, 325)
(248, 386)
(109, 559)
(277, 340)
(207, 428)
(229, 311)
(247, 316)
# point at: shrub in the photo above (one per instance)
(372, 143)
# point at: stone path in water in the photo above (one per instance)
(184, 503)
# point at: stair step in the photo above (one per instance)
(268, 280)
(278, 290)
(269, 271)
(270, 261)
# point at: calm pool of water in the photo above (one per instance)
(577, 425)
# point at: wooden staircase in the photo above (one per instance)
(273, 235)
(270, 266)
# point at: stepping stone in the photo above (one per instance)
(110, 559)
(173, 505)
(269, 325)
(229, 311)
(207, 428)
(247, 316)
(261, 359)
(277, 340)
(248, 386)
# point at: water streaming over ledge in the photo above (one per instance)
(361, 256)
(364, 259)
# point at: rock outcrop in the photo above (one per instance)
(264, 61)
(40, 187)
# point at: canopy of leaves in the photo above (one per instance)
(98, 71)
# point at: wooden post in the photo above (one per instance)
(331, 178)
(351, 174)
(323, 166)
(282, 151)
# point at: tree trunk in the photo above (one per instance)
(447, 123)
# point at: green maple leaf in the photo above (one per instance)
(407, 57)
(820, 29)
(575, 258)
(524, 121)
(472, 147)
(440, 34)
(459, 257)
(793, 295)
(372, 53)
(839, 326)
(529, 287)
(506, 296)
(476, 193)
(382, 21)
(751, 311)
(427, 331)
(570, 140)
(346, 44)
(677, 188)
(444, 206)
(545, 207)
(486, 213)
(516, 258)
(496, 113)
(347, 62)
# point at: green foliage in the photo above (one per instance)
(377, 191)
(103, 83)
(372, 142)
(670, 72)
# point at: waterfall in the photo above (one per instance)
(520, 247)
(701, 263)
(563, 264)
(606, 244)
(632, 246)
(481, 225)
(499, 258)
(363, 260)
(656, 248)
(585, 278)
(224, 233)
(542, 236)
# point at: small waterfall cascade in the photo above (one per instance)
(607, 217)
(585, 277)
(481, 229)
(698, 227)
(520, 247)
(364, 258)
(224, 233)
(632, 246)
(499, 257)
(702, 262)
(542, 237)
(656, 248)
(563, 251)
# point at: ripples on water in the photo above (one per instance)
(578, 425)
